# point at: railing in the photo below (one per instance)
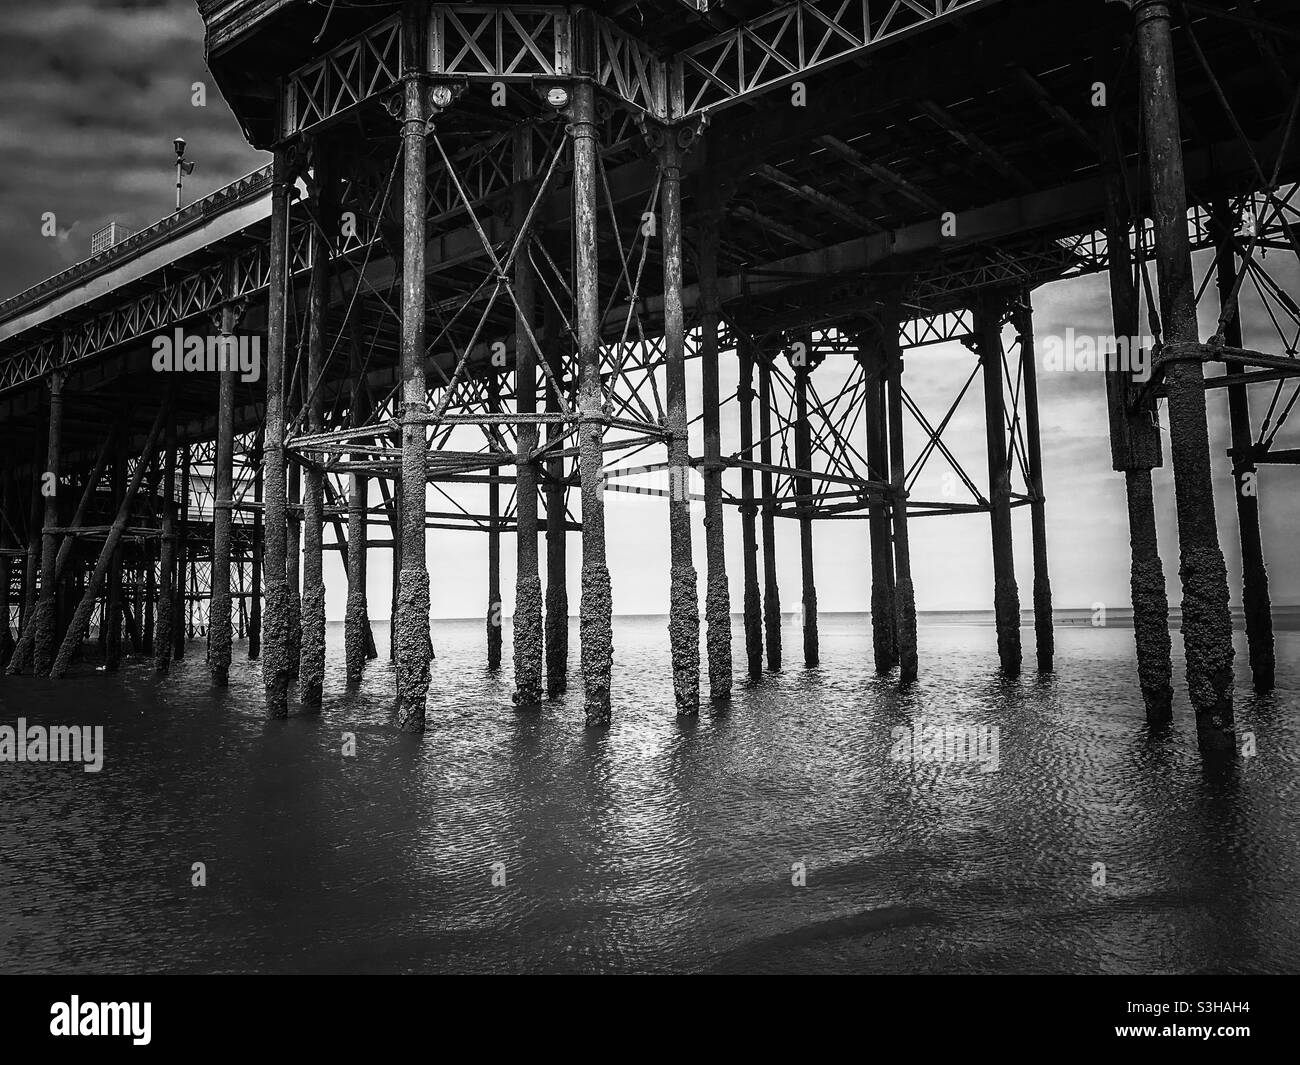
(238, 192)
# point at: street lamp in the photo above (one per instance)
(183, 166)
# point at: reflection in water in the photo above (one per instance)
(659, 845)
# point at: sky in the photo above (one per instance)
(95, 90)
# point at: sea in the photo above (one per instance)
(786, 831)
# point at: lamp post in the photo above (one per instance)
(183, 166)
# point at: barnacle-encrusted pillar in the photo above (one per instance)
(527, 621)
(393, 506)
(771, 590)
(276, 617)
(256, 552)
(596, 634)
(717, 595)
(1254, 577)
(293, 566)
(311, 669)
(1006, 595)
(1044, 640)
(1135, 451)
(803, 361)
(753, 606)
(557, 590)
(884, 630)
(493, 616)
(904, 593)
(683, 601)
(220, 638)
(412, 620)
(1207, 625)
(357, 638)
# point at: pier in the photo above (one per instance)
(491, 241)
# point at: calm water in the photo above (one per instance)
(657, 845)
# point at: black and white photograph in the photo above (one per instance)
(650, 487)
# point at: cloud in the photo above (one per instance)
(94, 92)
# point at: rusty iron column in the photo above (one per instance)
(255, 562)
(873, 359)
(803, 366)
(223, 500)
(1207, 625)
(394, 508)
(357, 638)
(242, 631)
(311, 667)
(44, 617)
(164, 636)
(596, 634)
(1006, 595)
(683, 602)
(556, 628)
(771, 591)
(412, 622)
(528, 620)
(904, 592)
(293, 656)
(276, 616)
(1044, 640)
(749, 512)
(717, 595)
(1254, 576)
(493, 616)
(1135, 451)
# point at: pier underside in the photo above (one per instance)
(493, 237)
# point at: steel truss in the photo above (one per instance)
(475, 43)
(796, 40)
(517, 43)
(844, 483)
(470, 426)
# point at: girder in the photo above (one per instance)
(504, 43)
(796, 40)
(180, 296)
